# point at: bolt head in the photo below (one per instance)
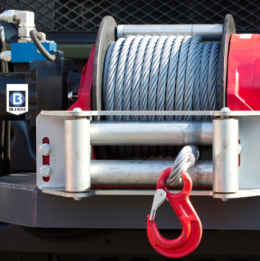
(240, 149)
(70, 96)
(225, 199)
(77, 110)
(77, 198)
(45, 149)
(45, 170)
(225, 109)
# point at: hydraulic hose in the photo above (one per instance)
(36, 37)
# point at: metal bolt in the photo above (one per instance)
(45, 149)
(45, 170)
(225, 109)
(70, 96)
(77, 110)
(225, 199)
(77, 198)
(240, 149)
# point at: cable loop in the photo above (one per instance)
(186, 158)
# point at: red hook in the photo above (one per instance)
(191, 224)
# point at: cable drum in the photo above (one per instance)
(160, 73)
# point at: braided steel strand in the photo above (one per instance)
(146, 75)
(148, 52)
(110, 81)
(162, 82)
(112, 76)
(139, 40)
(179, 94)
(213, 76)
(218, 83)
(172, 75)
(149, 83)
(190, 73)
(133, 52)
(153, 84)
(120, 73)
(135, 91)
(196, 93)
(163, 73)
(204, 78)
(186, 158)
(171, 84)
(105, 72)
(145, 84)
(139, 60)
(154, 75)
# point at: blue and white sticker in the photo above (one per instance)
(17, 98)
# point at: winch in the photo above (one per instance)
(181, 100)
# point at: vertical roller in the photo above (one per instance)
(225, 156)
(77, 155)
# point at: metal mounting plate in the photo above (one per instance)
(33, 208)
(156, 113)
(116, 192)
(51, 124)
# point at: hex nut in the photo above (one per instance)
(25, 32)
(25, 18)
(45, 170)
(45, 149)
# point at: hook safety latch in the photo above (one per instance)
(191, 224)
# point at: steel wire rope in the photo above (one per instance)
(160, 73)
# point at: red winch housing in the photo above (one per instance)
(243, 83)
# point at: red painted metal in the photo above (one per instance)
(243, 85)
(191, 234)
(84, 92)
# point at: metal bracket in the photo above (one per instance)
(249, 125)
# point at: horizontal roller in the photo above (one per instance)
(151, 133)
(143, 172)
(208, 32)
